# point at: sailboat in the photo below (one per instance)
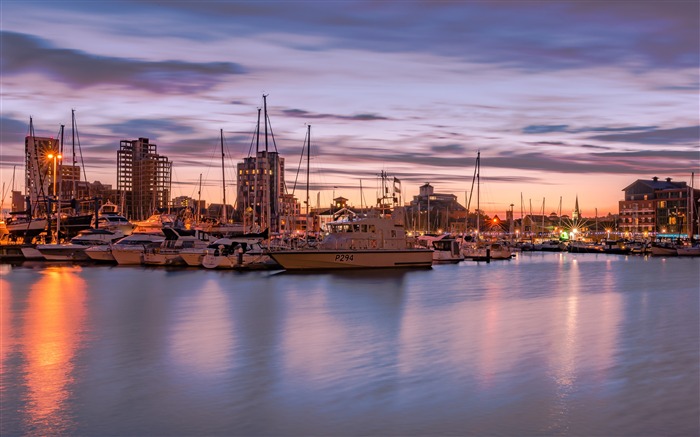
(222, 228)
(24, 226)
(73, 221)
(481, 250)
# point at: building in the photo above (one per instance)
(433, 212)
(260, 189)
(143, 178)
(659, 207)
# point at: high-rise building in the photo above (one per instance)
(143, 178)
(260, 181)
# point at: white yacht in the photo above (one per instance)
(445, 248)
(176, 241)
(109, 218)
(76, 249)
(372, 240)
(486, 251)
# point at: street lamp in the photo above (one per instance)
(55, 158)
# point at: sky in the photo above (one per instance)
(562, 99)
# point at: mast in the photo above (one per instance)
(522, 217)
(308, 164)
(72, 116)
(199, 200)
(224, 219)
(268, 188)
(256, 170)
(478, 190)
(58, 197)
(543, 216)
(691, 205)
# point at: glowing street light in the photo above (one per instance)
(55, 158)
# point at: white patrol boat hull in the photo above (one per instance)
(353, 259)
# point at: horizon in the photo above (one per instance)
(564, 100)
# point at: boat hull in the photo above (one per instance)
(100, 254)
(128, 256)
(359, 259)
(63, 252)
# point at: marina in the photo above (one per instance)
(544, 344)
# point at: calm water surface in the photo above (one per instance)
(545, 344)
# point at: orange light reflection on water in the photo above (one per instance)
(52, 332)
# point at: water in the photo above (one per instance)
(545, 344)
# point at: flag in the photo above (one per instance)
(397, 185)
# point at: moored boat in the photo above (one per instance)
(75, 250)
(367, 241)
(445, 248)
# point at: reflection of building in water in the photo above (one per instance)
(52, 336)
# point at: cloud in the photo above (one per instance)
(681, 135)
(548, 128)
(24, 54)
(130, 129)
(545, 129)
(448, 149)
(300, 113)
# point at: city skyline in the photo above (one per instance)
(564, 100)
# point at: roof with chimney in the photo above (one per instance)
(653, 184)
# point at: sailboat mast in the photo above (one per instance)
(199, 200)
(543, 215)
(56, 176)
(478, 190)
(308, 165)
(223, 178)
(268, 188)
(691, 206)
(256, 170)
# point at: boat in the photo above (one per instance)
(446, 249)
(369, 241)
(550, 246)
(687, 250)
(231, 252)
(23, 225)
(663, 248)
(619, 247)
(487, 251)
(109, 218)
(75, 250)
(169, 252)
(130, 250)
(584, 247)
(242, 256)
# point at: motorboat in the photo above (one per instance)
(75, 250)
(169, 252)
(663, 248)
(109, 218)
(487, 251)
(229, 252)
(550, 246)
(446, 249)
(584, 247)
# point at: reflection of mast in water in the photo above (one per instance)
(52, 337)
